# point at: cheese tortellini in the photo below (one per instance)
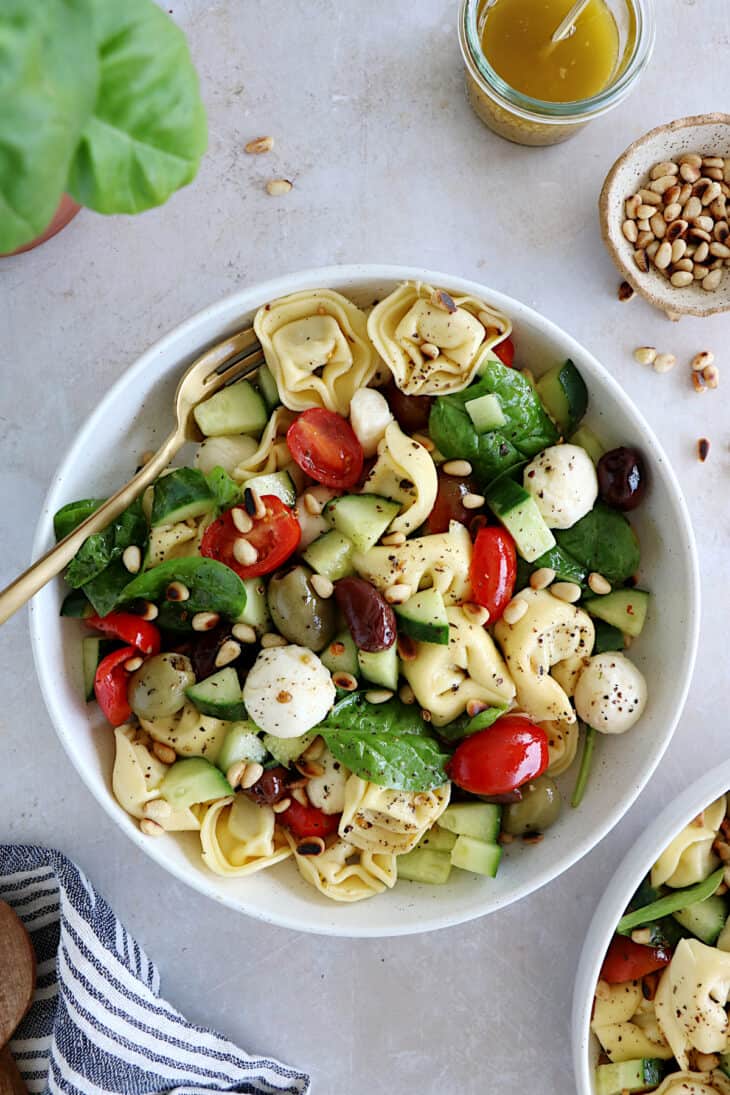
(239, 837)
(343, 872)
(441, 560)
(445, 678)
(378, 819)
(405, 473)
(625, 1023)
(433, 343)
(189, 732)
(136, 777)
(550, 631)
(691, 999)
(316, 344)
(689, 858)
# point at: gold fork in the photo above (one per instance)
(235, 357)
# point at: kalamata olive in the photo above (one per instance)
(157, 689)
(411, 411)
(272, 786)
(299, 613)
(538, 809)
(369, 617)
(622, 478)
(448, 505)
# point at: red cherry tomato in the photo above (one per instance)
(275, 536)
(506, 352)
(304, 821)
(493, 570)
(110, 685)
(448, 505)
(497, 760)
(628, 961)
(129, 628)
(324, 445)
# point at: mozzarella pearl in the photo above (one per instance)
(611, 693)
(288, 691)
(369, 417)
(564, 484)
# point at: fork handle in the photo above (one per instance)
(27, 584)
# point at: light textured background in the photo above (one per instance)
(366, 104)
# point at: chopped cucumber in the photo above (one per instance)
(241, 743)
(518, 512)
(564, 395)
(330, 556)
(625, 609)
(629, 1076)
(93, 649)
(340, 656)
(423, 617)
(182, 494)
(607, 638)
(256, 610)
(480, 820)
(193, 780)
(705, 919)
(424, 865)
(486, 413)
(278, 483)
(268, 388)
(588, 441)
(380, 668)
(437, 839)
(76, 604)
(362, 518)
(287, 750)
(219, 695)
(236, 409)
(477, 856)
(72, 514)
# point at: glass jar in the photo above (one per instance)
(525, 120)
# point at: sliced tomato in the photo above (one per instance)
(129, 628)
(501, 758)
(304, 821)
(493, 570)
(275, 536)
(628, 961)
(324, 445)
(110, 685)
(505, 351)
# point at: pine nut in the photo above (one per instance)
(544, 576)
(630, 231)
(473, 501)
(689, 172)
(157, 808)
(429, 350)
(241, 520)
(244, 633)
(647, 197)
(235, 772)
(244, 552)
(281, 806)
(164, 753)
(701, 252)
(205, 621)
(133, 664)
(663, 256)
(514, 611)
(702, 360)
(251, 775)
(658, 225)
(681, 279)
(644, 212)
(711, 376)
(664, 362)
(176, 591)
(343, 680)
(671, 212)
(476, 614)
(277, 187)
(406, 694)
(394, 539)
(631, 206)
(228, 652)
(712, 281)
(566, 591)
(379, 695)
(457, 467)
(259, 145)
(598, 584)
(132, 558)
(678, 249)
(398, 594)
(322, 586)
(271, 639)
(659, 186)
(150, 827)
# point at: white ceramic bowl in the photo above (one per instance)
(134, 416)
(619, 891)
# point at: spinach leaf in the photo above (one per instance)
(462, 727)
(213, 586)
(102, 548)
(526, 432)
(48, 80)
(603, 541)
(355, 713)
(405, 762)
(226, 490)
(72, 514)
(147, 132)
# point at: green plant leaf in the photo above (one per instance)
(148, 131)
(48, 80)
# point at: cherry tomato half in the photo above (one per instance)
(275, 536)
(110, 685)
(493, 570)
(304, 821)
(628, 961)
(497, 760)
(324, 445)
(129, 628)
(506, 352)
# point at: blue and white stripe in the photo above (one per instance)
(97, 1023)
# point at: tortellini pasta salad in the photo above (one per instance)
(661, 1009)
(383, 610)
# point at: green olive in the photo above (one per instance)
(298, 612)
(157, 689)
(537, 810)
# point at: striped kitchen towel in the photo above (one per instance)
(97, 1023)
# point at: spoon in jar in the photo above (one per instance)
(17, 985)
(568, 24)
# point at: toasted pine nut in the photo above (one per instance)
(712, 281)
(133, 664)
(457, 467)
(281, 806)
(397, 594)
(227, 653)
(271, 639)
(644, 355)
(598, 584)
(150, 827)
(477, 614)
(473, 501)
(205, 621)
(343, 680)
(235, 773)
(251, 775)
(394, 539)
(664, 362)
(711, 376)
(132, 558)
(241, 520)
(630, 231)
(277, 187)
(176, 591)
(244, 633)
(406, 694)
(515, 610)
(157, 808)
(379, 695)
(322, 586)
(259, 145)
(699, 361)
(681, 279)
(542, 578)
(164, 753)
(566, 591)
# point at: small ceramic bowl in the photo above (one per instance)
(612, 905)
(707, 134)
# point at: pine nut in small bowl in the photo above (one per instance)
(664, 215)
